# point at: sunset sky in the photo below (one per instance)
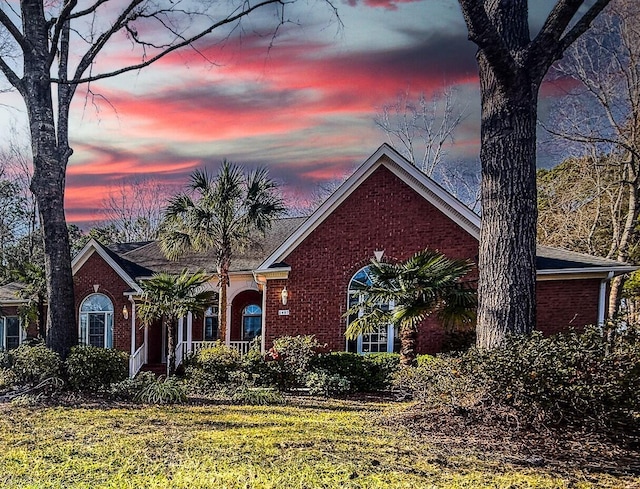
(304, 108)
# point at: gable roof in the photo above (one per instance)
(388, 157)
(548, 261)
(125, 269)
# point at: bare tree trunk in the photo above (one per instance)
(47, 184)
(507, 260)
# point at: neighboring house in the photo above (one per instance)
(300, 278)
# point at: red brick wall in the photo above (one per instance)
(567, 303)
(95, 271)
(382, 214)
(385, 214)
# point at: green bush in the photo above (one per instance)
(33, 364)
(322, 383)
(384, 367)
(261, 371)
(129, 388)
(212, 366)
(576, 378)
(94, 369)
(290, 359)
(440, 381)
(5, 359)
(424, 359)
(168, 391)
(366, 373)
(7, 378)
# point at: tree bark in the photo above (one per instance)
(49, 163)
(507, 268)
(408, 339)
(223, 283)
(170, 324)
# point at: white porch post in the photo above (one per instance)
(133, 325)
(189, 331)
(263, 334)
(180, 331)
(146, 343)
(227, 338)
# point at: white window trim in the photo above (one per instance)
(390, 328)
(83, 336)
(259, 306)
(22, 334)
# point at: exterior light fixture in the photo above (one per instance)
(125, 312)
(284, 296)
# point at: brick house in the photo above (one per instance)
(299, 278)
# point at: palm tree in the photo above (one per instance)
(222, 215)
(427, 283)
(169, 297)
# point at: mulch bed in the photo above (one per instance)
(496, 434)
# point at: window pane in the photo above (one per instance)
(211, 328)
(12, 326)
(96, 329)
(97, 302)
(252, 326)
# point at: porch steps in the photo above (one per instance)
(157, 368)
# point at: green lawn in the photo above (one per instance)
(326, 444)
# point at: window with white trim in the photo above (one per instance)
(251, 322)
(11, 334)
(385, 338)
(96, 321)
(211, 324)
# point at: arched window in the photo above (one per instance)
(96, 321)
(385, 339)
(251, 322)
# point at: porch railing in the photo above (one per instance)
(137, 360)
(182, 350)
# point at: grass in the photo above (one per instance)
(324, 444)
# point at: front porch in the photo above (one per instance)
(140, 358)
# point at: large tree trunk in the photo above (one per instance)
(47, 184)
(507, 260)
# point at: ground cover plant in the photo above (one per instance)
(309, 443)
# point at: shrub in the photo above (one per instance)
(33, 364)
(94, 369)
(384, 367)
(577, 378)
(366, 373)
(212, 366)
(440, 381)
(291, 357)
(168, 391)
(257, 396)
(322, 383)
(260, 370)
(129, 388)
(7, 378)
(5, 359)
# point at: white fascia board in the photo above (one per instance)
(409, 174)
(581, 273)
(271, 273)
(93, 246)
